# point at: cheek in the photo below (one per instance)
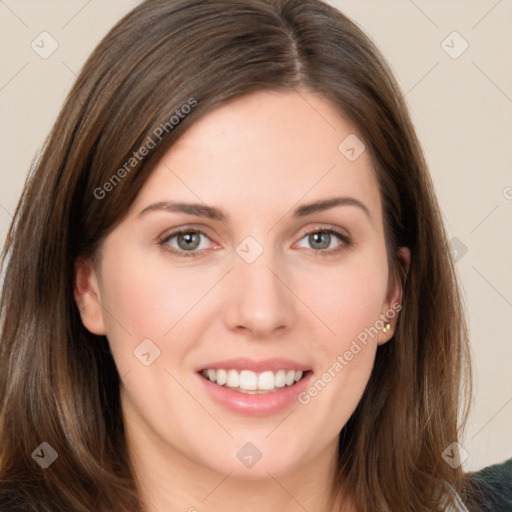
(348, 300)
(349, 303)
(145, 298)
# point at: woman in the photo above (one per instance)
(227, 279)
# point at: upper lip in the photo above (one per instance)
(262, 365)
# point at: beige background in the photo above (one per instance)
(462, 108)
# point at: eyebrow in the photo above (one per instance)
(211, 212)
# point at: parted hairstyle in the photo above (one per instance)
(59, 383)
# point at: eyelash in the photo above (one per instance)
(346, 242)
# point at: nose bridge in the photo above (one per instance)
(258, 300)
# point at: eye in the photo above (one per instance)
(325, 240)
(193, 242)
(186, 242)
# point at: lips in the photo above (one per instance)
(240, 364)
(256, 388)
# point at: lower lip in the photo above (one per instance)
(264, 404)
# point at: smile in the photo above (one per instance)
(253, 387)
(248, 381)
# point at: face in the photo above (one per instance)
(254, 256)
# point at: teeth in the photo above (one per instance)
(280, 379)
(249, 381)
(233, 379)
(221, 376)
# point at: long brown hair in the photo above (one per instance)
(59, 383)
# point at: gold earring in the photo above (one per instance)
(387, 327)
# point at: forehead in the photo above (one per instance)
(264, 148)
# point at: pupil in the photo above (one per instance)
(190, 240)
(317, 242)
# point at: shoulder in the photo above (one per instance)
(490, 489)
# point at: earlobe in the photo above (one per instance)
(395, 295)
(87, 296)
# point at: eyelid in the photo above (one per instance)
(169, 233)
(326, 227)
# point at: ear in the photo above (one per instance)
(87, 296)
(393, 302)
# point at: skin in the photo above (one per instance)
(257, 158)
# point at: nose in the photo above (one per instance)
(259, 300)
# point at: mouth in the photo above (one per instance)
(254, 383)
(251, 387)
